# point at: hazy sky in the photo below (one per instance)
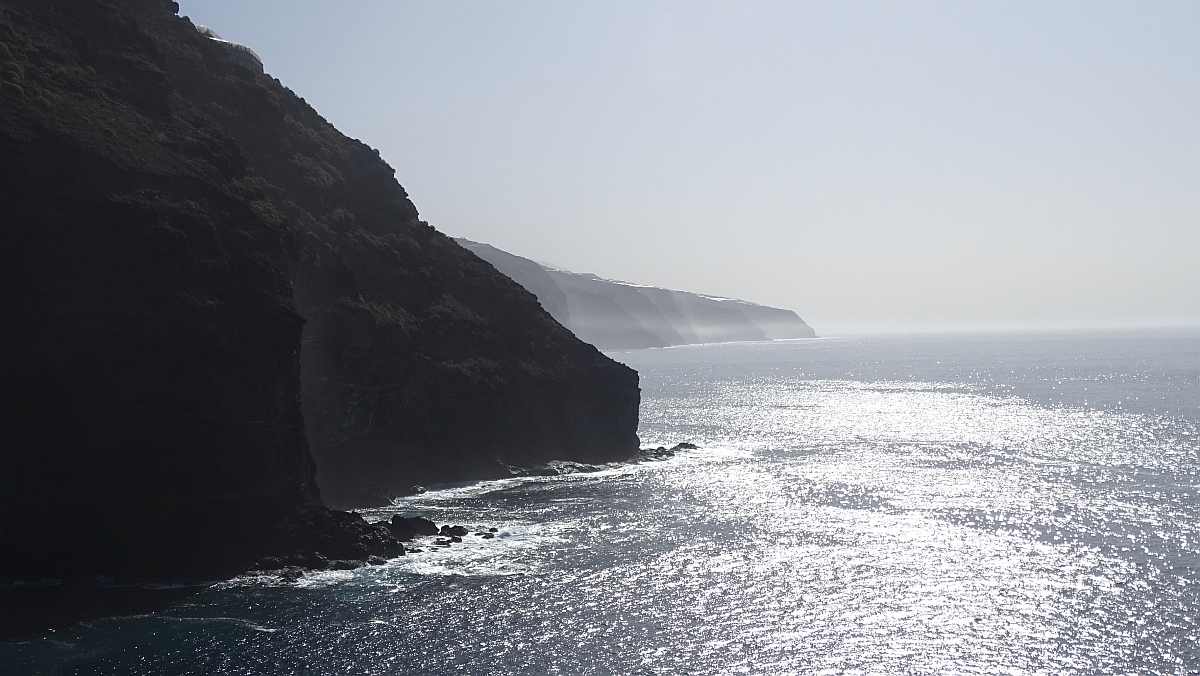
(872, 165)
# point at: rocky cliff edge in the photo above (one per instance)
(218, 310)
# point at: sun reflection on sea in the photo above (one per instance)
(827, 525)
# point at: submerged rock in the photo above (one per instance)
(564, 467)
(664, 453)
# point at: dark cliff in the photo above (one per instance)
(528, 274)
(202, 281)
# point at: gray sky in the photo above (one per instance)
(875, 166)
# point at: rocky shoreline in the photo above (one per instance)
(561, 467)
(223, 317)
(374, 543)
(321, 540)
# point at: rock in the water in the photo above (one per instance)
(664, 453)
(423, 526)
(401, 528)
(405, 529)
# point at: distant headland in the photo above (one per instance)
(614, 315)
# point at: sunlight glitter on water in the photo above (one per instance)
(978, 507)
(847, 526)
(835, 525)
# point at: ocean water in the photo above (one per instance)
(1022, 504)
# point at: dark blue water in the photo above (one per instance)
(926, 505)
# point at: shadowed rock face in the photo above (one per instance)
(202, 280)
(529, 275)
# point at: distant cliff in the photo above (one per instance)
(617, 315)
(214, 302)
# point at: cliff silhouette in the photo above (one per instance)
(219, 310)
(615, 315)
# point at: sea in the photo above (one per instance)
(957, 504)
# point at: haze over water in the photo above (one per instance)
(874, 166)
(979, 505)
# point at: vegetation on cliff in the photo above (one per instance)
(202, 280)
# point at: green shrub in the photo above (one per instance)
(5, 51)
(383, 313)
(12, 89)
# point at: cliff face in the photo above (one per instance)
(202, 279)
(529, 274)
(615, 315)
